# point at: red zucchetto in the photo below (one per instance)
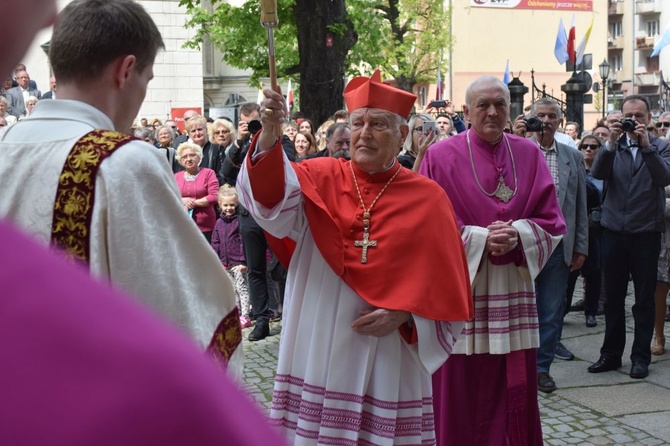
(372, 92)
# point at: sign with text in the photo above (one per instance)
(552, 5)
(177, 114)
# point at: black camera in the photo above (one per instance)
(533, 124)
(628, 124)
(254, 126)
(438, 104)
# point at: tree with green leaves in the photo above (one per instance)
(318, 43)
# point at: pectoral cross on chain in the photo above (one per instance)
(366, 242)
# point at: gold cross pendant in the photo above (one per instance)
(365, 243)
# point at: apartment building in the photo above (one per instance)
(634, 27)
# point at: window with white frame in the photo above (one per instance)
(616, 29)
(652, 27)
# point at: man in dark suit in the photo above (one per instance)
(18, 95)
(636, 167)
(567, 171)
(21, 67)
(51, 94)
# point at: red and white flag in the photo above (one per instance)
(571, 41)
(289, 97)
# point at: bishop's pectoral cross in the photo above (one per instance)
(366, 242)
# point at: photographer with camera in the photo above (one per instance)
(567, 170)
(636, 168)
(446, 116)
(253, 237)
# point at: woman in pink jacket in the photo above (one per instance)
(198, 187)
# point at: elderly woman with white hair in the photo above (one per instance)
(222, 132)
(198, 186)
(4, 105)
(212, 154)
(30, 105)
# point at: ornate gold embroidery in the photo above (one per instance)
(75, 196)
(226, 338)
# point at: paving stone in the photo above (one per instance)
(587, 409)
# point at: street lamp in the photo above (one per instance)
(604, 74)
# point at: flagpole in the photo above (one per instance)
(632, 65)
(451, 70)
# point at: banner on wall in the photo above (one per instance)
(177, 114)
(552, 5)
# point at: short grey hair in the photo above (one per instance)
(547, 101)
(172, 134)
(143, 133)
(486, 80)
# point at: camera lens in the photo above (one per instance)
(254, 126)
(627, 125)
(533, 124)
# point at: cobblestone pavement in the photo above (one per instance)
(587, 409)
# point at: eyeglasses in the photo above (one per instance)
(222, 132)
(418, 129)
(662, 124)
(590, 147)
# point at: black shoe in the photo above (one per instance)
(604, 365)
(545, 383)
(563, 353)
(260, 331)
(578, 306)
(639, 370)
(591, 321)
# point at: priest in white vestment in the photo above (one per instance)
(140, 238)
(377, 284)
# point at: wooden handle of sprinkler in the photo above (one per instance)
(270, 19)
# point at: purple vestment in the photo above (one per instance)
(83, 365)
(487, 398)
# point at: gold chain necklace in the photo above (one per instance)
(502, 192)
(366, 242)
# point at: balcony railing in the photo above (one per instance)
(642, 79)
(644, 7)
(644, 43)
(615, 43)
(615, 8)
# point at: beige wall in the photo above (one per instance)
(485, 38)
(177, 72)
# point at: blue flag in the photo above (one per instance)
(665, 40)
(506, 76)
(561, 46)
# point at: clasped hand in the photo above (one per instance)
(502, 238)
(379, 322)
(189, 203)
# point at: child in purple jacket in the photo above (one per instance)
(227, 243)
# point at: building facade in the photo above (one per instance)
(634, 27)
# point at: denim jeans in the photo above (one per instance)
(550, 288)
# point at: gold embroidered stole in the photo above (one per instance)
(227, 337)
(75, 195)
(73, 213)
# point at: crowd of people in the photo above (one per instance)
(230, 225)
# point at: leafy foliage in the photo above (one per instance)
(406, 38)
(238, 34)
